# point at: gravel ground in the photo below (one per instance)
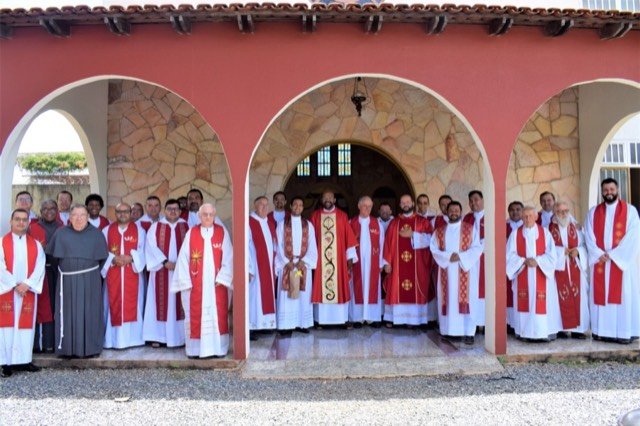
(533, 394)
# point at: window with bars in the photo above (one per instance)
(635, 154)
(624, 5)
(304, 167)
(344, 159)
(324, 161)
(614, 154)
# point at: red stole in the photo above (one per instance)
(440, 221)
(470, 219)
(466, 236)
(288, 253)
(145, 224)
(264, 259)
(615, 273)
(196, 269)
(43, 313)
(523, 277)
(568, 280)
(104, 222)
(123, 307)
(7, 315)
(271, 218)
(509, 286)
(410, 277)
(163, 238)
(374, 237)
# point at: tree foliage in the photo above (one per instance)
(61, 163)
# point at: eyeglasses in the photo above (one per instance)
(27, 199)
(207, 214)
(21, 219)
(563, 211)
(172, 209)
(123, 211)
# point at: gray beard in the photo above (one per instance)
(564, 222)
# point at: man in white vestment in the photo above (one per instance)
(152, 215)
(22, 267)
(385, 215)
(514, 222)
(296, 257)
(366, 300)
(124, 281)
(571, 272)
(262, 250)
(612, 233)
(547, 201)
(531, 261)
(279, 212)
(203, 275)
(163, 314)
(192, 215)
(64, 200)
(476, 218)
(456, 249)
(441, 218)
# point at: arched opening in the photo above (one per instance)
(350, 170)
(414, 128)
(140, 139)
(562, 146)
(50, 159)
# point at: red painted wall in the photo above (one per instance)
(240, 82)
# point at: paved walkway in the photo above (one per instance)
(358, 353)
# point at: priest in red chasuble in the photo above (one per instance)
(531, 261)
(408, 266)
(262, 284)
(163, 314)
(336, 255)
(456, 249)
(124, 281)
(22, 263)
(612, 233)
(571, 272)
(203, 276)
(366, 300)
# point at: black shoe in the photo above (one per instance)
(376, 324)
(563, 335)
(481, 329)
(510, 330)
(469, 340)
(252, 336)
(317, 326)
(622, 341)
(357, 325)
(285, 333)
(31, 368)
(6, 371)
(580, 336)
(303, 330)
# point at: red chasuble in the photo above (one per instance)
(265, 264)
(440, 221)
(470, 219)
(145, 224)
(104, 222)
(43, 313)
(615, 273)
(466, 236)
(196, 269)
(123, 307)
(163, 238)
(333, 236)
(410, 277)
(523, 276)
(568, 280)
(374, 274)
(7, 315)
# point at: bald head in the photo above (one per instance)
(207, 214)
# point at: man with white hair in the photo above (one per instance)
(366, 301)
(612, 233)
(531, 260)
(571, 272)
(203, 275)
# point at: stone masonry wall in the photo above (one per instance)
(406, 123)
(546, 155)
(158, 144)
